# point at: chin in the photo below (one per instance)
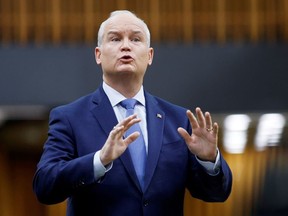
(127, 70)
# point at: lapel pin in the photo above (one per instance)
(159, 116)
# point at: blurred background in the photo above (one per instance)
(227, 56)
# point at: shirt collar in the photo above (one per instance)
(116, 97)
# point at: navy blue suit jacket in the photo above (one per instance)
(79, 129)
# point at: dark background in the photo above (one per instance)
(228, 78)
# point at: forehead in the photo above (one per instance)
(124, 23)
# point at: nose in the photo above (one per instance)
(125, 45)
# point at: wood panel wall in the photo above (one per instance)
(71, 21)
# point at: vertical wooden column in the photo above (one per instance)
(254, 21)
(41, 22)
(5, 21)
(270, 20)
(56, 210)
(23, 21)
(5, 186)
(221, 21)
(154, 21)
(285, 19)
(89, 23)
(74, 21)
(187, 20)
(56, 21)
(121, 4)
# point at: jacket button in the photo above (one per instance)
(145, 203)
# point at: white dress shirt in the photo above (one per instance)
(115, 98)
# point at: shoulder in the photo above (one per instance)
(164, 104)
(79, 106)
(84, 102)
(175, 115)
(79, 103)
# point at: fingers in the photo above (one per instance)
(208, 120)
(185, 135)
(200, 117)
(131, 138)
(203, 121)
(118, 131)
(126, 123)
(215, 128)
(192, 119)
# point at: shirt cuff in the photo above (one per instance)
(99, 168)
(211, 168)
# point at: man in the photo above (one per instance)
(89, 156)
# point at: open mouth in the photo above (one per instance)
(126, 58)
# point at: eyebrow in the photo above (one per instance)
(118, 32)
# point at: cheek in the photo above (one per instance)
(109, 51)
(107, 57)
(145, 59)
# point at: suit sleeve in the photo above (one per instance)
(207, 187)
(202, 185)
(60, 172)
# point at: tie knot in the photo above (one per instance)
(128, 103)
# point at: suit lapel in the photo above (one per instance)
(155, 127)
(104, 113)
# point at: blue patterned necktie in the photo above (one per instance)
(137, 148)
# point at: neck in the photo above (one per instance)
(127, 88)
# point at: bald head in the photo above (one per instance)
(114, 15)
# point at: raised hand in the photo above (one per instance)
(204, 138)
(115, 145)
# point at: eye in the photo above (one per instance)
(115, 39)
(136, 39)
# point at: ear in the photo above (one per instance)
(98, 55)
(150, 55)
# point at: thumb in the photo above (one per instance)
(131, 138)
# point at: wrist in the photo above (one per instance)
(211, 158)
